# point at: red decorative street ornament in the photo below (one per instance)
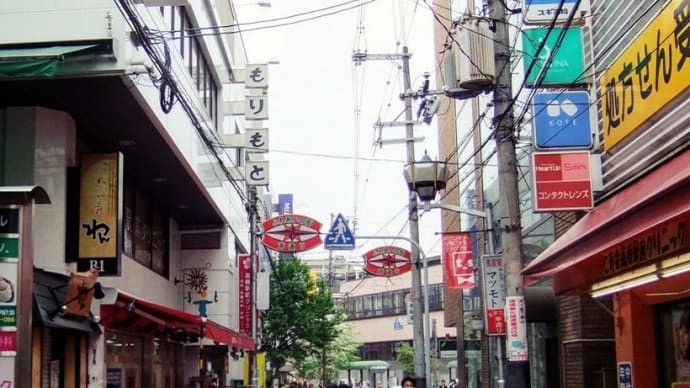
(387, 261)
(291, 233)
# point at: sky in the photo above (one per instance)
(315, 92)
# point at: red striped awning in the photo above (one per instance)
(131, 313)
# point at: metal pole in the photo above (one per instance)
(510, 216)
(252, 281)
(418, 336)
(492, 250)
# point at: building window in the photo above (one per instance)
(388, 303)
(145, 231)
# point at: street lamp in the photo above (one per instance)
(424, 179)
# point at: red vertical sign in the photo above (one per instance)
(458, 263)
(244, 294)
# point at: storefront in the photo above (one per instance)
(632, 255)
(151, 345)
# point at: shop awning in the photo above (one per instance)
(37, 61)
(131, 313)
(656, 198)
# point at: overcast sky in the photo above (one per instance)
(313, 94)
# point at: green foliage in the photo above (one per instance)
(326, 365)
(303, 323)
(405, 356)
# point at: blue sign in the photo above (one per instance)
(397, 325)
(284, 203)
(339, 237)
(562, 120)
(625, 375)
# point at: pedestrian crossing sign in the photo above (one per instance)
(339, 237)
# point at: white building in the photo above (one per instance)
(116, 109)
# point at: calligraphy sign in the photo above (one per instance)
(290, 233)
(387, 261)
(100, 212)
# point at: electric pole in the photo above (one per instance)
(422, 366)
(510, 218)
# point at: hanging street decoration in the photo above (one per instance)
(387, 261)
(291, 233)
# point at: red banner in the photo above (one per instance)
(244, 294)
(562, 181)
(458, 263)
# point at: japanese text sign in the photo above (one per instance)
(647, 75)
(458, 263)
(494, 288)
(625, 374)
(100, 208)
(544, 11)
(517, 328)
(561, 181)
(244, 294)
(256, 76)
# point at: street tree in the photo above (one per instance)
(405, 356)
(302, 319)
(326, 364)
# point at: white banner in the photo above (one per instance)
(517, 328)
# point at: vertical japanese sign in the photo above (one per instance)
(562, 181)
(517, 328)
(494, 289)
(651, 72)
(10, 222)
(625, 379)
(100, 213)
(244, 294)
(458, 262)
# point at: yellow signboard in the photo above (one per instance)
(98, 206)
(647, 75)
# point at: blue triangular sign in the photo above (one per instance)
(339, 237)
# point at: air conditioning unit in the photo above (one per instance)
(473, 49)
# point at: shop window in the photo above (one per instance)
(674, 343)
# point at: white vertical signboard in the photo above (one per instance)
(517, 328)
(494, 289)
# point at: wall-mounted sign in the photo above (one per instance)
(651, 72)
(244, 293)
(625, 379)
(256, 76)
(516, 320)
(561, 181)
(566, 64)
(494, 288)
(387, 261)
(562, 120)
(285, 203)
(8, 342)
(100, 213)
(291, 233)
(458, 263)
(544, 11)
(256, 172)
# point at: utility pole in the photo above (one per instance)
(253, 257)
(422, 366)
(511, 225)
(413, 224)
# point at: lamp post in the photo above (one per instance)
(426, 178)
